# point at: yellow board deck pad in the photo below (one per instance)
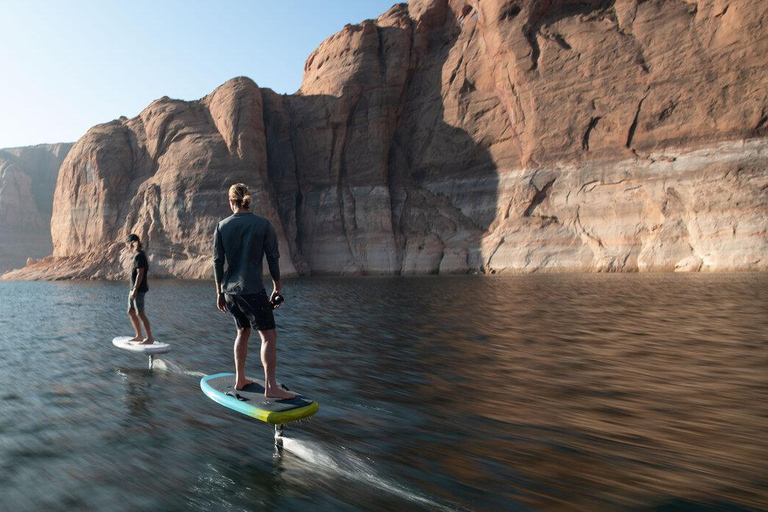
(252, 402)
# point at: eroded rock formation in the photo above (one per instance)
(17, 205)
(27, 181)
(457, 136)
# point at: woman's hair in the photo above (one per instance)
(239, 194)
(135, 238)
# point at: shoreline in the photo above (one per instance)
(476, 275)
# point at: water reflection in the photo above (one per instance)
(510, 393)
(138, 396)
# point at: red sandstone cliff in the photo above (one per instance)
(456, 136)
(27, 181)
(28, 176)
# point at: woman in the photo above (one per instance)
(138, 289)
(241, 240)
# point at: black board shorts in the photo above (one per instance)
(252, 310)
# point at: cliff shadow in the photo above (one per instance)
(384, 178)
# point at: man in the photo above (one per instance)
(241, 240)
(138, 289)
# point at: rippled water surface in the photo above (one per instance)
(542, 392)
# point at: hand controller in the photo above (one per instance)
(276, 300)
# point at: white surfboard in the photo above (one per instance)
(135, 346)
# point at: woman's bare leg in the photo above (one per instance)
(269, 361)
(241, 352)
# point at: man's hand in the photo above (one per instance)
(134, 292)
(221, 303)
(275, 292)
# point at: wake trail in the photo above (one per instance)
(170, 366)
(347, 465)
(341, 463)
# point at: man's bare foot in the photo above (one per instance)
(147, 341)
(240, 385)
(279, 393)
(137, 338)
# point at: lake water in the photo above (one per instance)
(537, 392)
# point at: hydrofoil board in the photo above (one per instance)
(135, 346)
(252, 402)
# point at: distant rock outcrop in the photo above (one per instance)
(27, 181)
(457, 136)
(17, 204)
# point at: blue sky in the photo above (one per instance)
(66, 66)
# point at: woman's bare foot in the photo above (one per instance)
(279, 393)
(147, 341)
(137, 338)
(240, 385)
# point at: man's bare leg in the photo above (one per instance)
(149, 339)
(241, 352)
(269, 361)
(136, 327)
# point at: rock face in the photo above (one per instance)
(162, 175)
(17, 205)
(457, 136)
(27, 181)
